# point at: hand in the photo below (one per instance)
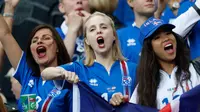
(74, 21)
(12, 3)
(10, 6)
(161, 5)
(85, 15)
(71, 77)
(118, 98)
(4, 29)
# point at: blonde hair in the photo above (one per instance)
(105, 6)
(90, 56)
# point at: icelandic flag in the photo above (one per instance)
(86, 100)
(188, 102)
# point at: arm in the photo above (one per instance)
(8, 16)
(74, 22)
(185, 22)
(9, 43)
(58, 73)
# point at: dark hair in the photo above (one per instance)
(62, 55)
(148, 76)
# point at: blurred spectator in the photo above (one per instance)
(74, 12)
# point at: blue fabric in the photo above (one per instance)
(167, 15)
(102, 82)
(150, 26)
(59, 30)
(79, 47)
(194, 36)
(190, 101)
(124, 13)
(61, 101)
(129, 43)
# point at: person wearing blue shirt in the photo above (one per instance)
(124, 13)
(74, 12)
(193, 39)
(104, 69)
(143, 10)
(45, 48)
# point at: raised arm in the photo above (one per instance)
(10, 45)
(8, 16)
(185, 22)
(75, 22)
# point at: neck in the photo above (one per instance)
(106, 60)
(139, 19)
(53, 64)
(167, 66)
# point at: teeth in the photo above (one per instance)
(168, 45)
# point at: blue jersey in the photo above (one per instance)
(48, 98)
(129, 42)
(194, 36)
(79, 47)
(168, 15)
(106, 83)
(124, 13)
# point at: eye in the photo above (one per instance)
(104, 27)
(156, 37)
(167, 33)
(47, 38)
(34, 41)
(92, 29)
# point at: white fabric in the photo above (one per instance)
(167, 85)
(185, 22)
(64, 27)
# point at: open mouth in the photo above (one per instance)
(169, 48)
(100, 41)
(41, 51)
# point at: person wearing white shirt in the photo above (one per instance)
(164, 71)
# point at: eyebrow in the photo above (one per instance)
(36, 37)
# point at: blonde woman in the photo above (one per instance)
(104, 69)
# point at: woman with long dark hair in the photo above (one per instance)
(165, 71)
(45, 48)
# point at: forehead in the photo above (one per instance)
(96, 20)
(43, 31)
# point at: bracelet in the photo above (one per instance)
(8, 14)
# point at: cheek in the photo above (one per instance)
(33, 49)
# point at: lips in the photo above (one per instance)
(169, 48)
(100, 41)
(41, 51)
(149, 5)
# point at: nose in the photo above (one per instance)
(99, 32)
(39, 41)
(79, 2)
